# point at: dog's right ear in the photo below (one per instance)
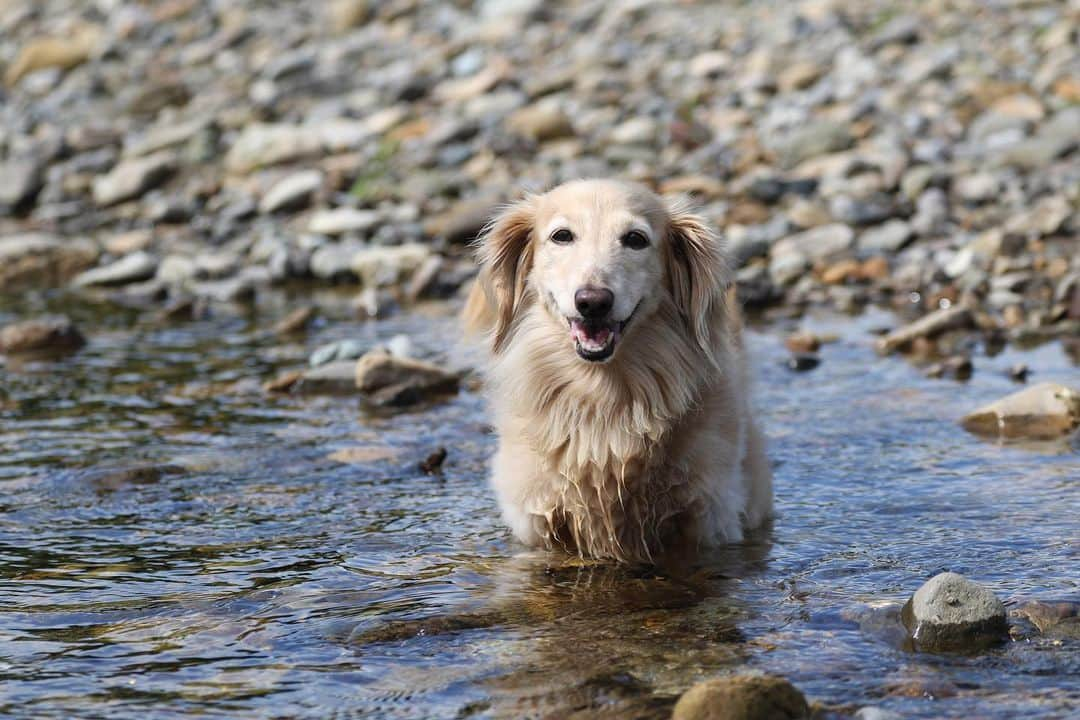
(504, 250)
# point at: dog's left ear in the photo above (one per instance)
(504, 250)
(698, 272)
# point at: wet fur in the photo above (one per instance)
(652, 452)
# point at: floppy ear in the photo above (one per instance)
(505, 254)
(698, 273)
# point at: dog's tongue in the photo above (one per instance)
(590, 335)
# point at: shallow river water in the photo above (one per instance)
(284, 557)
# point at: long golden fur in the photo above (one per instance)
(631, 446)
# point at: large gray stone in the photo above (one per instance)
(950, 612)
(128, 269)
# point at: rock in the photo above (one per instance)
(294, 322)
(132, 178)
(978, 188)
(263, 145)
(348, 14)
(283, 382)
(1053, 619)
(128, 242)
(742, 697)
(22, 179)
(433, 463)
(957, 367)
(176, 269)
(931, 212)
(378, 266)
(888, 238)
(463, 222)
(810, 140)
(118, 478)
(787, 268)
(1019, 372)
(802, 362)
(337, 378)
(817, 243)
(635, 131)
(802, 342)
(333, 261)
(541, 122)
(336, 352)
(130, 268)
(292, 192)
(242, 287)
(950, 612)
(362, 455)
(39, 260)
(344, 220)
(394, 381)
(928, 326)
(1041, 412)
(46, 334)
(47, 52)
(875, 713)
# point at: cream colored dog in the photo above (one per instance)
(616, 376)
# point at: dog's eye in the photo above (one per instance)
(635, 240)
(562, 237)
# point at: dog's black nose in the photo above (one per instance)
(594, 303)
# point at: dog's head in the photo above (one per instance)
(599, 257)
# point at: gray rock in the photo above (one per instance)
(332, 378)
(333, 261)
(818, 243)
(887, 238)
(378, 266)
(132, 178)
(787, 268)
(931, 212)
(344, 220)
(291, 192)
(978, 188)
(20, 181)
(131, 268)
(1045, 411)
(808, 141)
(265, 145)
(337, 351)
(176, 269)
(875, 713)
(861, 211)
(950, 612)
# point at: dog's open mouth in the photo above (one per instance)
(595, 340)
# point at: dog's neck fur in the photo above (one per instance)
(602, 428)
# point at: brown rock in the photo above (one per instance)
(47, 334)
(1040, 412)
(47, 52)
(395, 381)
(928, 326)
(745, 697)
(462, 222)
(802, 342)
(295, 322)
(39, 260)
(875, 268)
(284, 382)
(839, 273)
(540, 122)
(1056, 619)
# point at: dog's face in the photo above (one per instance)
(598, 263)
(600, 256)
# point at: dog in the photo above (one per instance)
(616, 375)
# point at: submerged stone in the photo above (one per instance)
(743, 697)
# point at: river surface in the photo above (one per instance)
(284, 557)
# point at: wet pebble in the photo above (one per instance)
(950, 612)
(742, 697)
